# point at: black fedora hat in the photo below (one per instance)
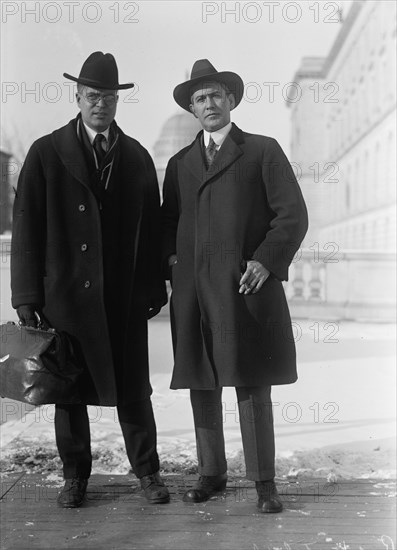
(100, 71)
(204, 71)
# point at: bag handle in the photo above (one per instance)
(41, 324)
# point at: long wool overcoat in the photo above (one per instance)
(248, 205)
(59, 258)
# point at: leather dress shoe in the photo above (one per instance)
(205, 488)
(155, 490)
(73, 493)
(269, 501)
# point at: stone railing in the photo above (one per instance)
(328, 284)
(343, 284)
(6, 311)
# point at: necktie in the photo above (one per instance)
(99, 150)
(210, 152)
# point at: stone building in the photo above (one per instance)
(177, 132)
(344, 133)
(5, 193)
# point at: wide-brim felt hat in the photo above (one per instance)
(100, 71)
(203, 71)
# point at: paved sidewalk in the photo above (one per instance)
(353, 515)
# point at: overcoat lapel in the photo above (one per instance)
(68, 147)
(193, 160)
(133, 197)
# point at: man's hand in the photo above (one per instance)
(253, 278)
(27, 316)
(172, 260)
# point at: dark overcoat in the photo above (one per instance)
(248, 205)
(58, 258)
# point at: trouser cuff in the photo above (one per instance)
(263, 475)
(147, 469)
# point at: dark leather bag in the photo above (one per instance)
(38, 366)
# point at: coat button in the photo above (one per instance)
(82, 207)
(87, 284)
(83, 247)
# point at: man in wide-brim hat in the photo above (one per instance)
(86, 256)
(233, 218)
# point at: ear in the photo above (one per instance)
(191, 107)
(78, 99)
(232, 101)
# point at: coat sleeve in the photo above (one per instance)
(290, 222)
(157, 293)
(29, 234)
(169, 214)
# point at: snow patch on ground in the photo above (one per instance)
(336, 422)
(331, 464)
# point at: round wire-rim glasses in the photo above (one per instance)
(95, 97)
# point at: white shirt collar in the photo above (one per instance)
(219, 136)
(91, 133)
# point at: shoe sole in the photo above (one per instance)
(263, 511)
(62, 505)
(215, 493)
(159, 500)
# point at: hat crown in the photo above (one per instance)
(202, 68)
(100, 67)
(100, 71)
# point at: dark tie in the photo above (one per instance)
(99, 150)
(210, 152)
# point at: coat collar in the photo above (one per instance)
(228, 153)
(70, 151)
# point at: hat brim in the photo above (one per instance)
(99, 85)
(232, 81)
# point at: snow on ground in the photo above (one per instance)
(338, 420)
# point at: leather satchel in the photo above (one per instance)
(38, 366)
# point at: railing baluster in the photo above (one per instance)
(315, 282)
(298, 283)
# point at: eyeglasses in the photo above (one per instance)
(94, 98)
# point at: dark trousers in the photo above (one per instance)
(256, 425)
(72, 432)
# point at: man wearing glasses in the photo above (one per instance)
(86, 258)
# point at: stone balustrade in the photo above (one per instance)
(323, 284)
(342, 284)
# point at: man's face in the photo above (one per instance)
(98, 107)
(212, 104)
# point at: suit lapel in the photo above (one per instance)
(68, 147)
(227, 155)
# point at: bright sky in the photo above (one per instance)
(155, 44)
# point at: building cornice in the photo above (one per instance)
(319, 67)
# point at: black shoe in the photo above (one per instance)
(155, 490)
(205, 488)
(269, 501)
(73, 493)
